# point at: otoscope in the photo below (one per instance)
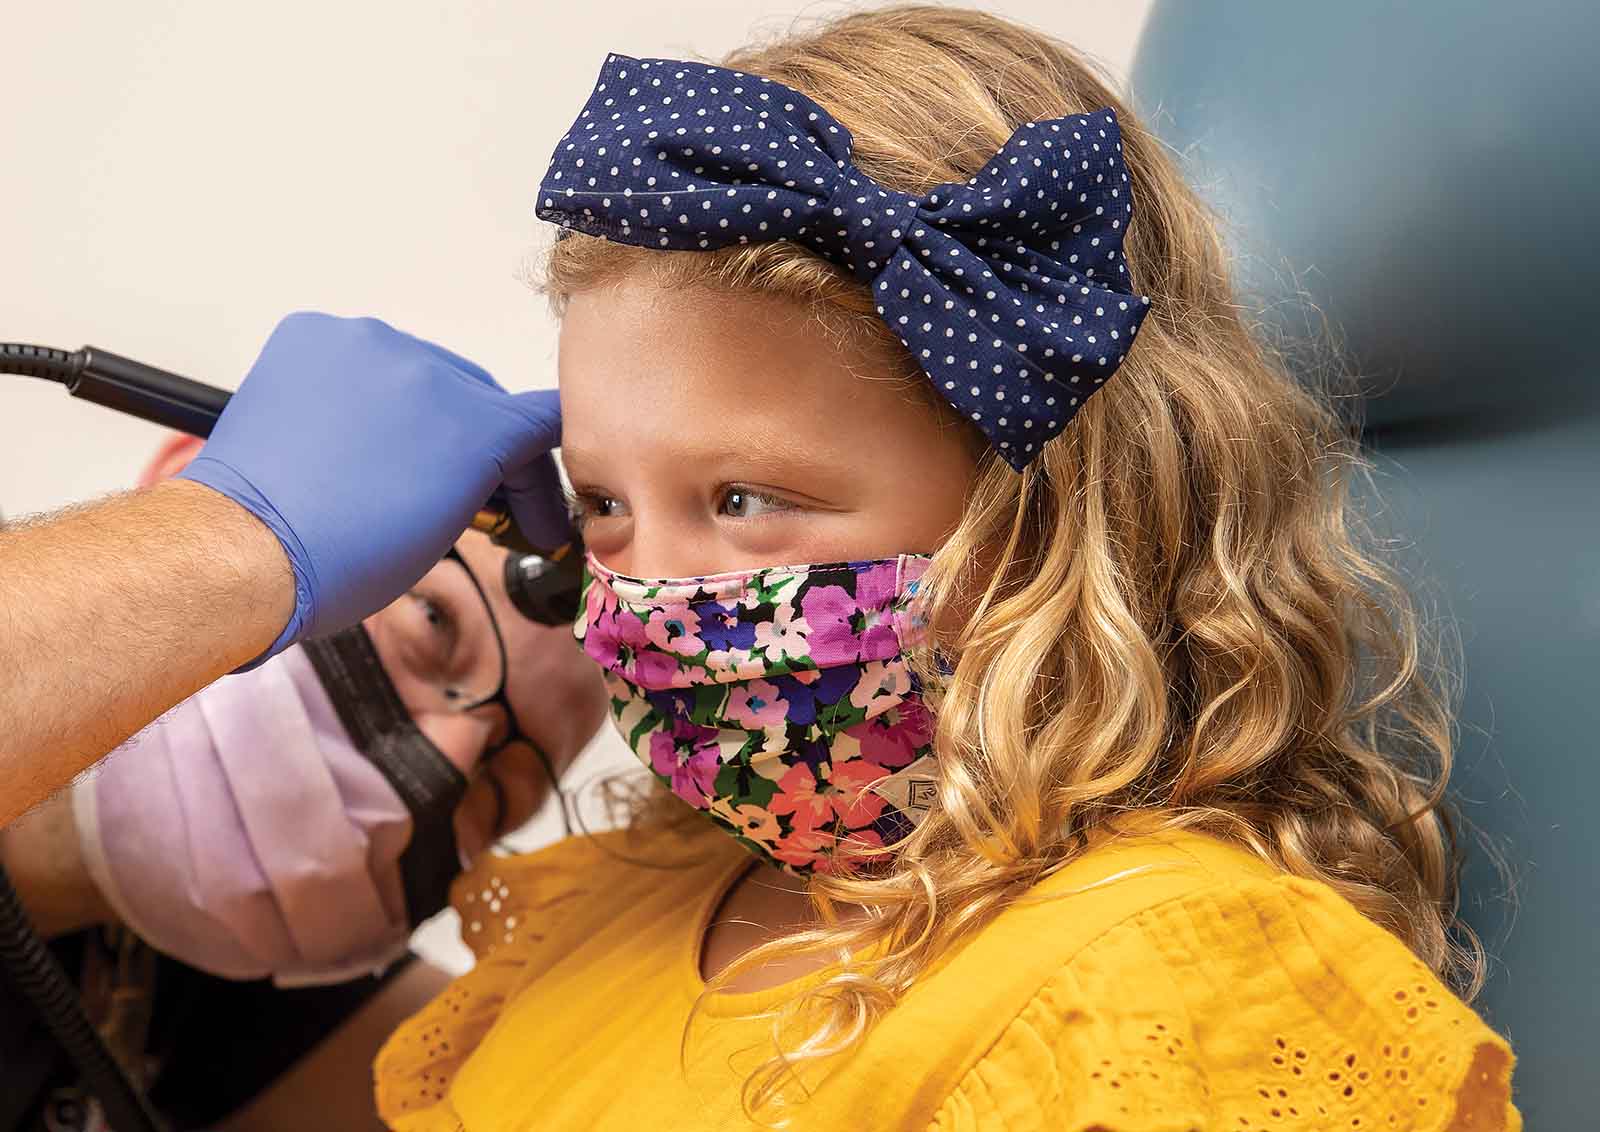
(543, 582)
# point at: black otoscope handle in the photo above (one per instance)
(543, 584)
(164, 398)
(148, 393)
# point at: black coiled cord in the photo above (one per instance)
(41, 361)
(41, 979)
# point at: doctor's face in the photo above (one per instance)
(438, 644)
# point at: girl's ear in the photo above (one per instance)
(171, 458)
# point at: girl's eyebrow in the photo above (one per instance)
(757, 455)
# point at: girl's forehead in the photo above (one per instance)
(697, 371)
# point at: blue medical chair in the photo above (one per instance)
(1427, 178)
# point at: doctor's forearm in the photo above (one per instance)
(112, 613)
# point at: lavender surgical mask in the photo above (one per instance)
(260, 828)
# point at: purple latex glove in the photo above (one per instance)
(367, 452)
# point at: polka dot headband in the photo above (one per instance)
(1010, 290)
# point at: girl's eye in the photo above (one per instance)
(586, 505)
(743, 503)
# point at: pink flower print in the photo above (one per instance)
(894, 739)
(784, 637)
(656, 671)
(800, 794)
(845, 630)
(840, 795)
(804, 848)
(875, 588)
(855, 804)
(599, 637)
(614, 633)
(675, 628)
(756, 705)
(687, 755)
(883, 684)
(828, 610)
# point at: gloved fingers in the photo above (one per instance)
(532, 482)
(342, 419)
(541, 411)
(467, 367)
(314, 322)
(538, 504)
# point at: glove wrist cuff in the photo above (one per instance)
(227, 481)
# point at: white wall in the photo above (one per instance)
(175, 175)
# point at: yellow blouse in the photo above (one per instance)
(1174, 983)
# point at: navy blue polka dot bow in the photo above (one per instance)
(1010, 290)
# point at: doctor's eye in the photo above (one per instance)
(437, 616)
(443, 629)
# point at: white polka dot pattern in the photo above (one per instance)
(1010, 289)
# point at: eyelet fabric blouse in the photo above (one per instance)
(1161, 982)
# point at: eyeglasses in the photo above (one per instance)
(444, 651)
(441, 643)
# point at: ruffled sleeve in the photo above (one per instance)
(1267, 1004)
(507, 906)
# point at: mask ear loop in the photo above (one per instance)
(498, 696)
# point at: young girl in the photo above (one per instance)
(1085, 776)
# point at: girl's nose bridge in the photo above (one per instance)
(667, 543)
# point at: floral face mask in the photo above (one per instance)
(778, 701)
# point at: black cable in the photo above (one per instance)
(41, 361)
(45, 984)
(544, 586)
(120, 383)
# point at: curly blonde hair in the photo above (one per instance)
(1171, 610)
